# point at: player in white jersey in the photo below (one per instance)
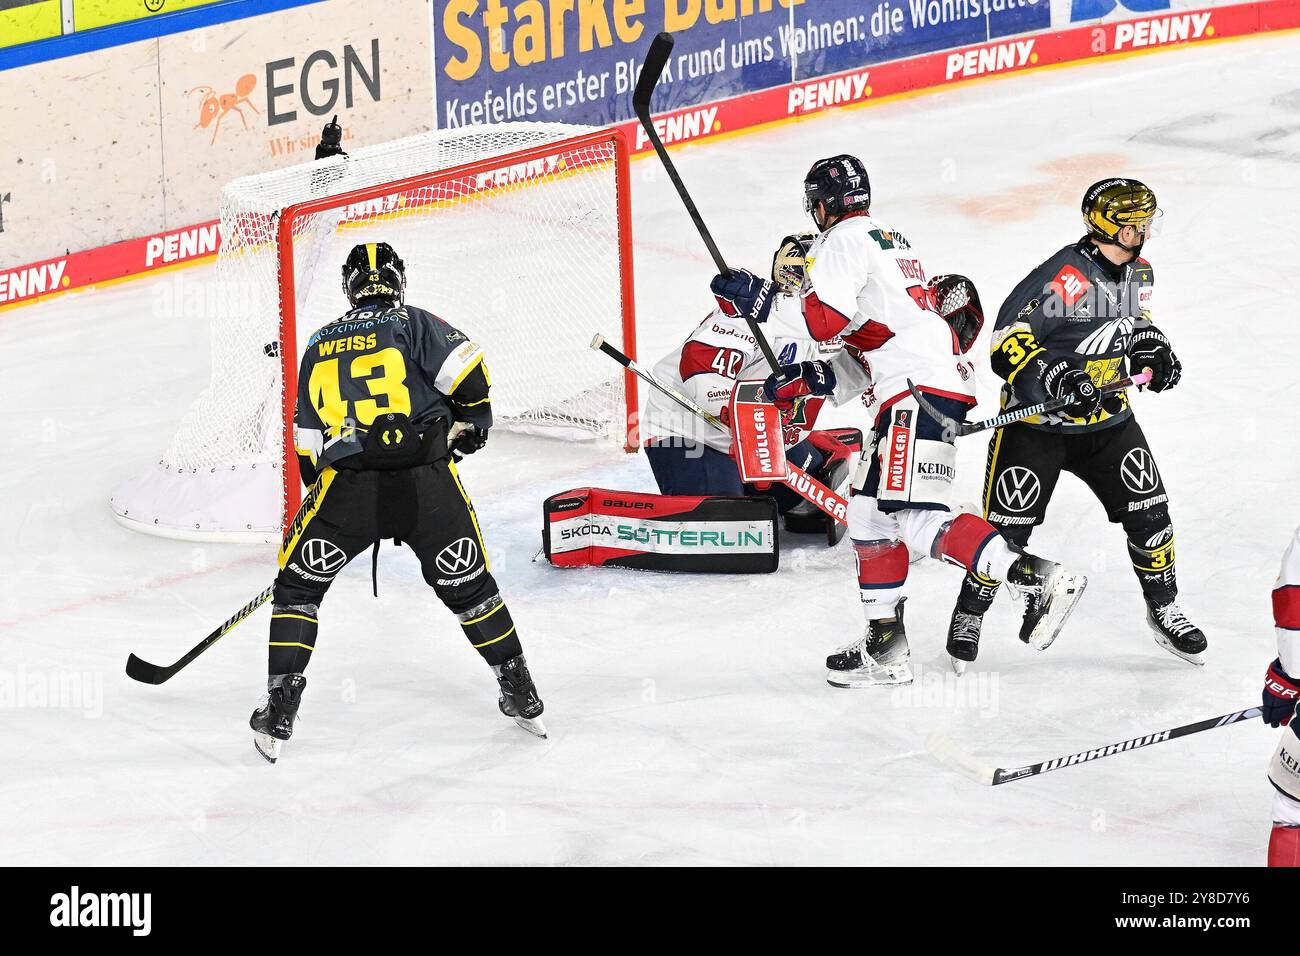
(691, 457)
(1281, 693)
(866, 284)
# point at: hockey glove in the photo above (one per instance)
(469, 440)
(1281, 693)
(1148, 348)
(743, 295)
(799, 381)
(1063, 379)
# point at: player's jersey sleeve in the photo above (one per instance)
(308, 429)
(1042, 301)
(836, 272)
(1286, 608)
(454, 365)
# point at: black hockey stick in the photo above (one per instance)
(800, 482)
(147, 673)
(656, 59)
(956, 429)
(947, 752)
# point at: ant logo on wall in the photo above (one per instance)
(217, 106)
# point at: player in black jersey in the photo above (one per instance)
(389, 396)
(1079, 321)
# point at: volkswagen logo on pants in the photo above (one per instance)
(460, 555)
(1138, 469)
(323, 557)
(1018, 488)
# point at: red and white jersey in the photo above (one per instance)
(1286, 608)
(707, 365)
(866, 284)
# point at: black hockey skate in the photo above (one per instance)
(1176, 634)
(519, 695)
(963, 638)
(880, 657)
(1050, 593)
(273, 720)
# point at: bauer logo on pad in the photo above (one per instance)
(757, 431)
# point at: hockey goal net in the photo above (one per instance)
(518, 234)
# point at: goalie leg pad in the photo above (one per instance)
(588, 527)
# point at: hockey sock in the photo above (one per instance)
(491, 631)
(293, 638)
(977, 593)
(973, 543)
(1152, 555)
(1284, 845)
(882, 572)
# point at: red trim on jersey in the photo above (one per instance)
(964, 539)
(824, 321)
(881, 566)
(701, 359)
(1286, 607)
(1284, 846)
(870, 337)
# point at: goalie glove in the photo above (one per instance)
(1281, 693)
(743, 295)
(1148, 348)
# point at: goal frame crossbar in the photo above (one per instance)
(286, 279)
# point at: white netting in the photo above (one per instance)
(523, 257)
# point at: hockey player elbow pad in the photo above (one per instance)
(1015, 351)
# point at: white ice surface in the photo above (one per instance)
(689, 718)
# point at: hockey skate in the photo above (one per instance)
(963, 638)
(519, 695)
(1176, 634)
(880, 657)
(1050, 593)
(273, 720)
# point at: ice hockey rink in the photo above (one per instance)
(689, 718)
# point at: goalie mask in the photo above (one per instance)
(790, 260)
(374, 271)
(957, 301)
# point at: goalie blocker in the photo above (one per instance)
(588, 527)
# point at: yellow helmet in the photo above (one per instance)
(1112, 204)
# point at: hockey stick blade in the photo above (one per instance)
(146, 673)
(948, 753)
(955, 429)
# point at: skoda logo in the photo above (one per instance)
(460, 555)
(323, 557)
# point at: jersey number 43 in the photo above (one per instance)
(384, 376)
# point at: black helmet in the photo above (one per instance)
(374, 271)
(840, 184)
(1112, 204)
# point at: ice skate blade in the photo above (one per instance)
(958, 665)
(1196, 659)
(874, 677)
(267, 746)
(533, 726)
(1066, 591)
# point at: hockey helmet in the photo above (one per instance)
(1112, 204)
(840, 185)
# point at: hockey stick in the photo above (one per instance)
(956, 429)
(798, 480)
(147, 673)
(656, 59)
(947, 752)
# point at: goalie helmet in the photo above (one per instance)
(789, 262)
(374, 271)
(840, 185)
(1112, 204)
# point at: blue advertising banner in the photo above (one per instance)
(577, 60)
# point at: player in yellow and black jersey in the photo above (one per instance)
(1079, 321)
(389, 397)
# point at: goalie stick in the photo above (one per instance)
(956, 429)
(147, 673)
(948, 753)
(656, 59)
(797, 480)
